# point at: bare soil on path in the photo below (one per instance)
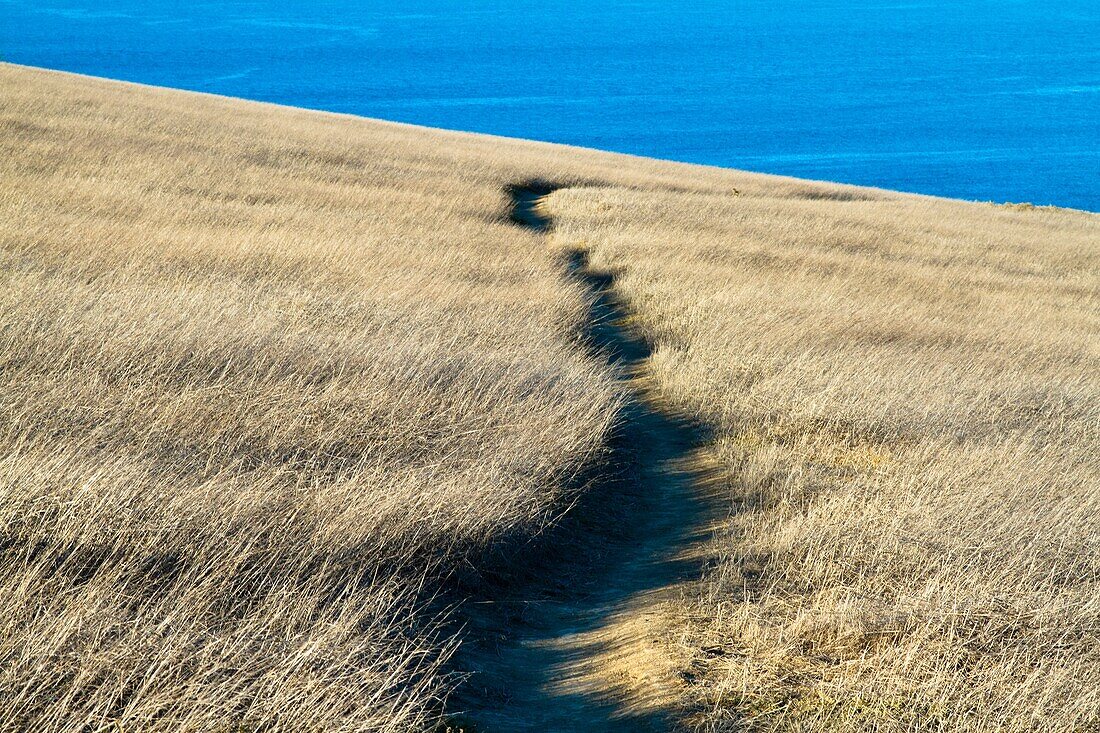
(588, 642)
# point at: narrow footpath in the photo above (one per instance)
(592, 647)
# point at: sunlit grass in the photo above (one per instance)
(269, 378)
(904, 396)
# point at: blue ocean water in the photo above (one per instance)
(990, 100)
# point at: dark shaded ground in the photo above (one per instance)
(576, 641)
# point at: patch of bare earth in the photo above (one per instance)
(594, 643)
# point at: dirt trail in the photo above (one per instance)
(590, 645)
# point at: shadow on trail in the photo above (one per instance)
(606, 330)
(577, 642)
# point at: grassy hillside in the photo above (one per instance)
(905, 398)
(276, 386)
(268, 376)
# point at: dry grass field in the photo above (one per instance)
(905, 396)
(271, 380)
(267, 377)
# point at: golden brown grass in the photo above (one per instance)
(905, 394)
(268, 377)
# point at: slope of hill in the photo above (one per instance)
(905, 399)
(268, 376)
(291, 409)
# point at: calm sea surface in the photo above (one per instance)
(981, 100)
